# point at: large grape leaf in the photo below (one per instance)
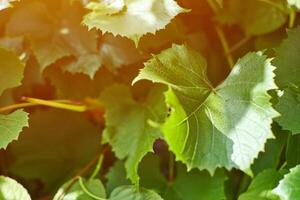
(132, 192)
(131, 18)
(212, 127)
(262, 185)
(12, 190)
(93, 186)
(288, 188)
(287, 62)
(130, 125)
(54, 35)
(11, 70)
(57, 145)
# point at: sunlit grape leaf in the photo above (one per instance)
(12, 190)
(287, 62)
(212, 127)
(131, 18)
(288, 188)
(130, 125)
(294, 3)
(132, 192)
(54, 36)
(11, 70)
(76, 192)
(11, 125)
(258, 18)
(262, 185)
(57, 145)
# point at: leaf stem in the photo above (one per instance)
(239, 44)
(98, 167)
(86, 191)
(55, 104)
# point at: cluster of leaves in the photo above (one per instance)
(141, 100)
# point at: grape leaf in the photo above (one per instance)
(287, 60)
(289, 106)
(129, 124)
(11, 125)
(196, 185)
(212, 127)
(54, 35)
(116, 177)
(262, 185)
(132, 192)
(288, 188)
(11, 70)
(273, 151)
(57, 144)
(131, 18)
(76, 192)
(12, 190)
(292, 155)
(294, 3)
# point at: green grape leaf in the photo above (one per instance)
(132, 192)
(53, 37)
(262, 185)
(196, 185)
(116, 177)
(11, 70)
(288, 188)
(289, 107)
(57, 144)
(294, 3)
(273, 151)
(287, 76)
(131, 19)
(81, 190)
(287, 60)
(259, 17)
(130, 125)
(11, 125)
(12, 190)
(213, 127)
(292, 155)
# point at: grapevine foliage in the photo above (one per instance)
(149, 99)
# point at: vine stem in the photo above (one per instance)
(222, 36)
(62, 104)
